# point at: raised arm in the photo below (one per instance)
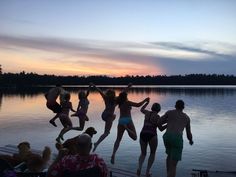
(126, 89)
(99, 90)
(143, 108)
(140, 103)
(189, 133)
(87, 94)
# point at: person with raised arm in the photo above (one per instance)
(148, 136)
(125, 121)
(81, 112)
(108, 115)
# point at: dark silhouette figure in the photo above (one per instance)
(51, 97)
(108, 115)
(176, 121)
(148, 136)
(125, 120)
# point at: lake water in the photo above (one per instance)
(24, 117)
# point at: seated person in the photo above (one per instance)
(81, 164)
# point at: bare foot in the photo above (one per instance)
(86, 118)
(112, 159)
(53, 123)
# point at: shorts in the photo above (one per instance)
(146, 137)
(125, 120)
(106, 115)
(174, 145)
(55, 107)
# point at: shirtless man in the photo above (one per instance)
(176, 121)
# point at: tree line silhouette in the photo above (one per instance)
(34, 79)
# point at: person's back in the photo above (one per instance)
(66, 106)
(84, 103)
(110, 105)
(177, 120)
(125, 109)
(150, 122)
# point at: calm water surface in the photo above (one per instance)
(24, 117)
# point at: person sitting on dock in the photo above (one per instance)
(81, 164)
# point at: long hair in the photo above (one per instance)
(122, 98)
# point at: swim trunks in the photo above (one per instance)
(174, 145)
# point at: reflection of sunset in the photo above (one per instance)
(35, 104)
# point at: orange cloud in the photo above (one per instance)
(52, 63)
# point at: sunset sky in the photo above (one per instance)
(129, 37)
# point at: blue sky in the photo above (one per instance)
(118, 37)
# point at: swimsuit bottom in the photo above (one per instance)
(146, 137)
(125, 120)
(106, 115)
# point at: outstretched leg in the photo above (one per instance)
(52, 121)
(108, 126)
(131, 130)
(63, 131)
(120, 132)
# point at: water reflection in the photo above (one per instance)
(32, 91)
(212, 112)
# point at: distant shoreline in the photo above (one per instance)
(32, 79)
